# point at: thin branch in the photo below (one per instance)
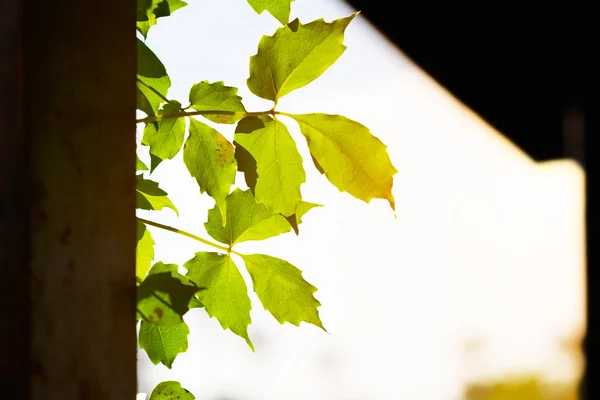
(190, 235)
(159, 94)
(204, 112)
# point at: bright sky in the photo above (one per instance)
(478, 223)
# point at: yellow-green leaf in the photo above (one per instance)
(278, 163)
(282, 290)
(247, 220)
(301, 208)
(280, 9)
(209, 158)
(165, 295)
(139, 165)
(151, 74)
(151, 197)
(217, 97)
(225, 296)
(144, 251)
(295, 55)
(165, 137)
(149, 10)
(163, 343)
(352, 158)
(170, 390)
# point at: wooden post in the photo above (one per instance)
(71, 175)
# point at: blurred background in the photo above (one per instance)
(476, 288)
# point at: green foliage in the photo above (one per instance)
(351, 158)
(278, 163)
(170, 390)
(295, 55)
(280, 9)
(216, 96)
(339, 145)
(209, 157)
(163, 343)
(226, 295)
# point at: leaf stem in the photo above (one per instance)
(190, 235)
(159, 94)
(204, 112)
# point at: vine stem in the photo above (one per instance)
(190, 235)
(159, 94)
(204, 112)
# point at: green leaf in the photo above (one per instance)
(247, 165)
(352, 158)
(282, 290)
(247, 220)
(295, 55)
(151, 197)
(217, 97)
(225, 296)
(301, 208)
(163, 343)
(279, 165)
(139, 165)
(280, 9)
(149, 10)
(209, 158)
(152, 74)
(165, 137)
(165, 295)
(144, 251)
(170, 390)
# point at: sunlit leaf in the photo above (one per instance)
(139, 165)
(209, 158)
(295, 55)
(225, 296)
(352, 158)
(152, 74)
(144, 251)
(217, 97)
(280, 9)
(163, 343)
(149, 10)
(247, 220)
(151, 197)
(282, 290)
(301, 208)
(170, 390)
(165, 295)
(165, 137)
(279, 165)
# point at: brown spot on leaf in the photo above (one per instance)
(159, 312)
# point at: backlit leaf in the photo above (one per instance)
(282, 290)
(295, 55)
(165, 295)
(279, 165)
(165, 137)
(151, 197)
(139, 165)
(247, 165)
(280, 9)
(170, 390)
(246, 220)
(301, 208)
(352, 158)
(149, 10)
(209, 158)
(151, 73)
(217, 97)
(144, 251)
(225, 296)
(163, 343)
